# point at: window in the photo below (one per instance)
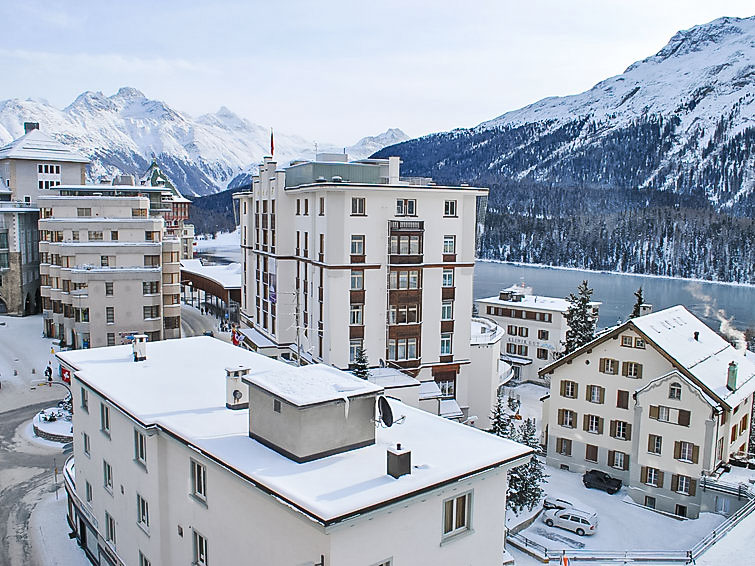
(685, 451)
(110, 315)
(639, 343)
(87, 444)
(734, 433)
(357, 279)
(139, 212)
(355, 344)
(683, 485)
(357, 245)
(151, 261)
(563, 446)
(619, 460)
(356, 315)
(88, 492)
(543, 335)
(143, 559)
(456, 513)
(651, 477)
(198, 480)
(743, 424)
(650, 501)
(664, 414)
(449, 244)
(449, 208)
(142, 511)
(567, 418)
(140, 447)
(622, 399)
(306, 207)
(523, 331)
(150, 287)
(322, 206)
(276, 405)
(445, 343)
(595, 393)
(111, 339)
(406, 207)
(627, 341)
(593, 424)
(200, 549)
(402, 349)
(357, 206)
(609, 365)
(631, 369)
(447, 310)
(109, 528)
(104, 261)
(94, 235)
(448, 277)
(542, 354)
(85, 399)
(114, 235)
(75, 235)
(107, 476)
(83, 212)
(447, 386)
(298, 207)
(104, 418)
(621, 430)
(569, 389)
(108, 288)
(675, 391)
(151, 311)
(655, 444)
(591, 453)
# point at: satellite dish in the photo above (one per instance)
(386, 414)
(236, 395)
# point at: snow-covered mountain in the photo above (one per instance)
(681, 120)
(121, 133)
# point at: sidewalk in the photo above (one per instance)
(48, 534)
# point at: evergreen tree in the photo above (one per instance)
(580, 319)
(361, 364)
(526, 481)
(638, 303)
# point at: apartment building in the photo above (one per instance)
(341, 256)
(235, 455)
(535, 329)
(660, 402)
(108, 271)
(30, 166)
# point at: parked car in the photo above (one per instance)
(601, 480)
(208, 333)
(580, 522)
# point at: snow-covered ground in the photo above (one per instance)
(225, 245)
(61, 426)
(529, 394)
(622, 525)
(48, 534)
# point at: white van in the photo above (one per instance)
(575, 520)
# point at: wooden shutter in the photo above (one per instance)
(602, 395)
(654, 412)
(674, 482)
(677, 449)
(615, 367)
(660, 478)
(613, 429)
(692, 487)
(629, 431)
(568, 447)
(651, 444)
(639, 371)
(611, 455)
(622, 399)
(561, 416)
(563, 388)
(644, 474)
(600, 425)
(625, 369)
(586, 422)
(683, 417)
(591, 452)
(626, 462)
(576, 390)
(695, 453)
(588, 391)
(602, 365)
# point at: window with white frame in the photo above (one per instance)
(595, 394)
(109, 528)
(447, 310)
(456, 514)
(107, 475)
(568, 418)
(88, 492)
(652, 477)
(655, 443)
(355, 344)
(449, 208)
(143, 559)
(104, 418)
(140, 447)
(446, 340)
(447, 387)
(626, 341)
(85, 399)
(664, 414)
(200, 550)
(685, 451)
(570, 389)
(406, 207)
(356, 314)
(449, 244)
(448, 277)
(357, 206)
(675, 391)
(593, 424)
(357, 245)
(683, 485)
(198, 480)
(402, 349)
(142, 511)
(621, 430)
(618, 460)
(357, 280)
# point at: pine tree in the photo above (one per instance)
(361, 364)
(579, 319)
(640, 301)
(526, 481)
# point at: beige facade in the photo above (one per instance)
(107, 271)
(342, 255)
(650, 402)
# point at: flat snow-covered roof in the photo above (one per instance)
(39, 146)
(228, 276)
(180, 387)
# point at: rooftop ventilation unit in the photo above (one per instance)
(337, 179)
(236, 392)
(139, 345)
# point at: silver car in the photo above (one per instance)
(580, 522)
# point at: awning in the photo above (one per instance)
(516, 360)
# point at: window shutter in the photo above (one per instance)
(626, 461)
(695, 453)
(560, 416)
(563, 388)
(588, 390)
(660, 478)
(639, 371)
(625, 368)
(683, 417)
(602, 365)
(602, 395)
(622, 399)
(586, 422)
(600, 425)
(674, 482)
(692, 487)
(644, 474)
(629, 431)
(651, 444)
(568, 447)
(654, 412)
(576, 390)
(611, 455)
(613, 429)
(677, 449)
(615, 369)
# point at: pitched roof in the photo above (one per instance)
(38, 145)
(705, 359)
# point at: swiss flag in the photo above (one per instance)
(564, 560)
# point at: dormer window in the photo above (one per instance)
(675, 391)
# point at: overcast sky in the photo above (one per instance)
(336, 70)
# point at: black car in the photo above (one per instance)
(601, 480)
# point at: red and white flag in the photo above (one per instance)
(564, 560)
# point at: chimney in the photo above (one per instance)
(394, 163)
(140, 347)
(399, 461)
(645, 308)
(29, 126)
(236, 392)
(731, 382)
(697, 336)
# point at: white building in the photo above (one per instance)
(535, 329)
(107, 271)
(660, 402)
(346, 255)
(204, 453)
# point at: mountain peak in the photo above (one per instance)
(128, 93)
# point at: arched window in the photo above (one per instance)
(675, 391)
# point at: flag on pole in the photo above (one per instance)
(564, 560)
(272, 143)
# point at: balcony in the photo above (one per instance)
(406, 225)
(405, 259)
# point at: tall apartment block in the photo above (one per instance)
(345, 255)
(29, 167)
(108, 270)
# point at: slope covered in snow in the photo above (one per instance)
(122, 132)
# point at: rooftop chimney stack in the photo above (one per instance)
(236, 392)
(645, 308)
(29, 126)
(394, 164)
(399, 461)
(697, 336)
(140, 347)
(731, 382)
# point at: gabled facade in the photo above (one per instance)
(659, 402)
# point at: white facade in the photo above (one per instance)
(535, 329)
(146, 431)
(367, 260)
(648, 402)
(107, 272)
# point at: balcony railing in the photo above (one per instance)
(406, 225)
